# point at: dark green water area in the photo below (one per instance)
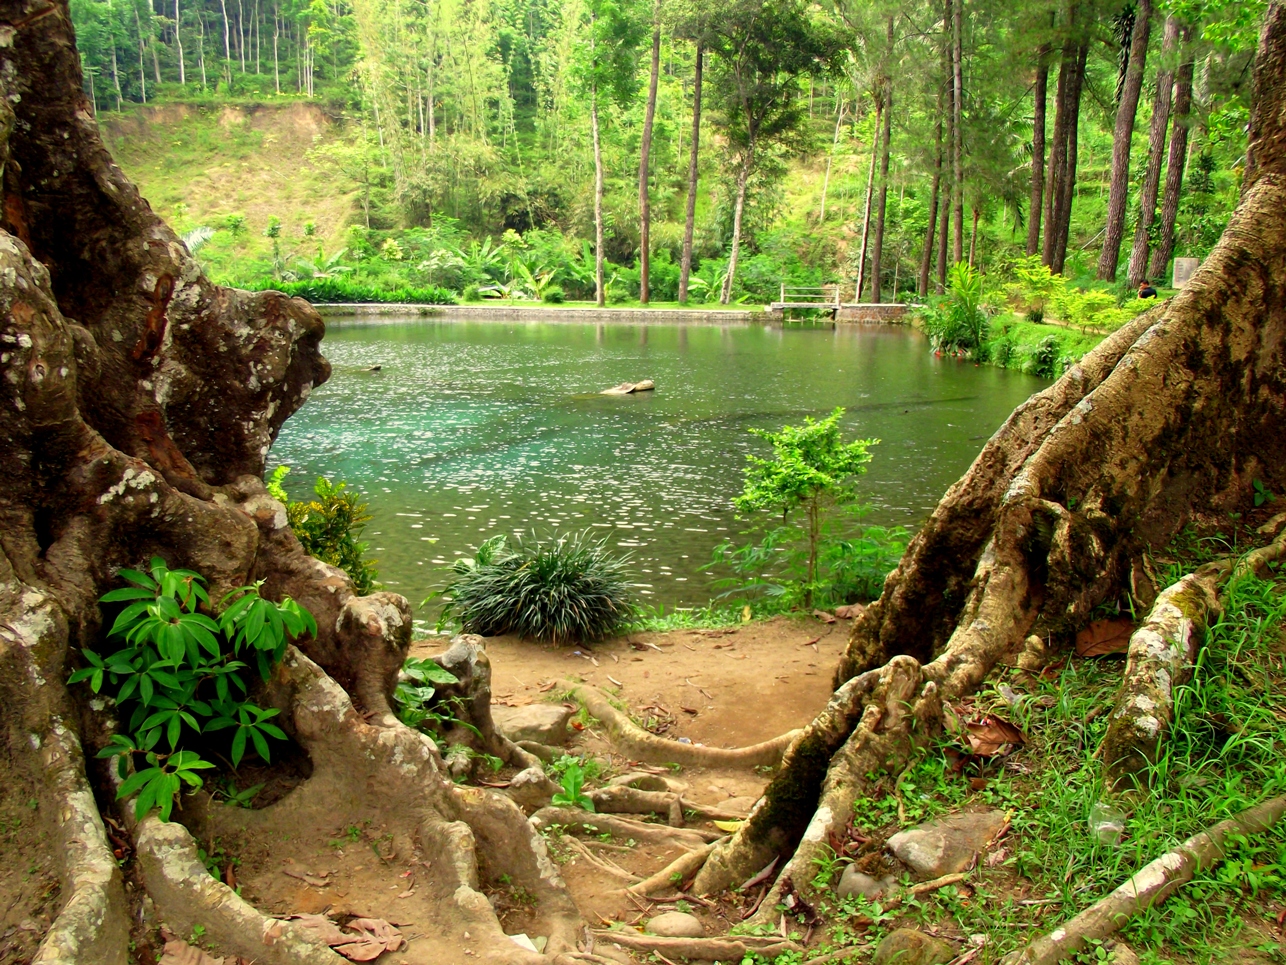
(471, 429)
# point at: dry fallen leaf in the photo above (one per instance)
(850, 611)
(179, 952)
(1103, 637)
(369, 939)
(824, 616)
(729, 826)
(992, 735)
(321, 928)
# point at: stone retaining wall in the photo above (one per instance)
(880, 314)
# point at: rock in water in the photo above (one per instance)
(854, 882)
(625, 388)
(906, 946)
(676, 924)
(542, 723)
(946, 845)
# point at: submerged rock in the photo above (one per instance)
(946, 845)
(625, 388)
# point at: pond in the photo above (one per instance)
(471, 429)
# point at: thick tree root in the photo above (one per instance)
(1150, 886)
(674, 874)
(701, 949)
(640, 745)
(186, 895)
(575, 821)
(1160, 659)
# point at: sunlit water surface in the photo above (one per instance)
(471, 429)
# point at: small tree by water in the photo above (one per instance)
(811, 474)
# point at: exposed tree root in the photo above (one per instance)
(701, 949)
(634, 741)
(576, 821)
(1150, 886)
(674, 874)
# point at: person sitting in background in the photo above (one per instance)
(1146, 290)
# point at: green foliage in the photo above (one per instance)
(328, 288)
(573, 779)
(178, 674)
(330, 526)
(812, 472)
(1263, 494)
(565, 589)
(957, 323)
(414, 697)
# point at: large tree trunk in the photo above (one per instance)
(1138, 267)
(1059, 224)
(645, 154)
(1122, 138)
(1176, 160)
(881, 207)
(139, 405)
(1171, 417)
(957, 129)
(1057, 151)
(1040, 95)
(926, 257)
(863, 252)
(694, 159)
(600, 296)
(738, 211)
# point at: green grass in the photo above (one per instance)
(1025, 340)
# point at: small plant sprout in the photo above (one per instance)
(572, 795)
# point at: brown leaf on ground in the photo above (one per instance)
(179, 952)
(369, 939)
(824, 616)
(850, 611)
(1104, 636)
(992, 735)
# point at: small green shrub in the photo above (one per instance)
(178, 674)
(330, 527)
(554, 295)
(566, 589)
(957, 323)
(572, 794)
(345, 290)
(471, 294)
(1045, 358)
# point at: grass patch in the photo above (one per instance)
(1037, 348)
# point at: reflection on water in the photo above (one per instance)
(473, 428)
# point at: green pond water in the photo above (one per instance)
(476, 428)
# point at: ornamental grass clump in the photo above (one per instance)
(563, 590)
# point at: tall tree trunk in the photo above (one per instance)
(116, 77)
(1058, 150)
(227, 34)
(200, 19)
(957, 149)
(142, 71)
(1040, 95)
(645, 152)
(276, 62)
(600, 296)
(1137, 270)
(178, 42)
(926, 258)
(694, 159)
(830, 159)
(1177, 159)
(948, 86)
(156, 58)
(241, 35)
(743, 179)
(864, 251)
(1122, 138)
(877, 256)
(1067, 192)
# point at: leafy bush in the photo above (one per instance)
(178, 674)
(822, 558)
(957, 322)
(1045, 359)
(554, 295)
(330, 527)
(566, 589)
(344, 290)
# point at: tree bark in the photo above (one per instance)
(1060, 226)
(1122, 139)
(830, 159)
(1138, 267)
(1040, 94)
(645, 153)
(1058, 151)
(863, 251)
(739, 208)
(694, 159)
(1176, 160)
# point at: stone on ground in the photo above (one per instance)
(1123, 954)
(906, 946)
(946, 845)
(542, 723)
(853, 882)
(676, 924)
